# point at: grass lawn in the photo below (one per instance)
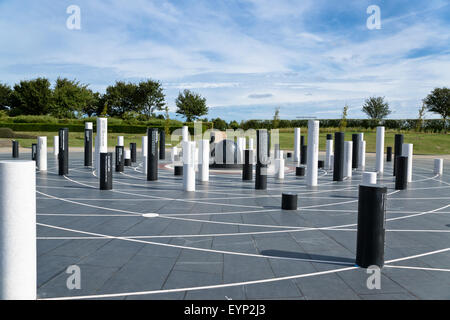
(424, 143)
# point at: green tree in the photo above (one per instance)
(5, 96)
(376, 108)
(438, 101)
(343, 123)
(150, 97)
(191, 105)
(92, 105)
(219, 124)
(234, 125)
(70, 98)
(31, 97)
(276, 118)
(167, 120)
(122, 98)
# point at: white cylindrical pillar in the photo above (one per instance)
(250, 143)
(348, 155)
(362, 154)
(407, 151)
(369, 178)
(204, 160)
(144, 146)
(439, 166)
(380, 150)
(280, 166)
(41, 161)
(120, 141)
(297, 145)
(313, 152)
(188, 166)
(328, 154)
(185, 133)
(18, 270)
(55, 145)
(240, 150)
(101, 142)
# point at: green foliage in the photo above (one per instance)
(438, 101)
(219, 124)
(191, 105)
(343, 123)
(150, 97)
(121, 98)
(376, 108)
(5, 96)
(234, 125)
(31, 97)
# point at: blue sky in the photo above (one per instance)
(247, 57)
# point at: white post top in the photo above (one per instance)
(88, 125)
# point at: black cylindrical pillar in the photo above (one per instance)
(15, 149)
(127, 162)
(303, 154)
(289, 201)
(33, 151)
(300, 171)
(120, 159)
(178, 171)
(401, 177)
(320, 164)
(371, 226)
(289, 155)
(88, 147)
(106, 171)
(389, 154)
(152, 151)
(329, 136)
(397, 149)
(133, 152)
(63, 155)
(261, 159)
(247, 168)
(162, 145)
(302, 141)
(355, 150)
(338, 165)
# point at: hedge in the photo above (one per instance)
(54, 127)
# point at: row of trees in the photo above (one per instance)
(71, 99)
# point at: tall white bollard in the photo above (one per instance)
(439, 166)
(280, 166)
(144, 145)
(369, 178)
(361, 139)
(174, 153)
(41, 161)
(102, 142)
(313, 152)
(18, 270)
(348, 155)
(380, 150)
(250, 143)
(407, 151)
(55, 145)
(329, 152)
(362, 155)
(188, 166)
(185, 133)
(120, 141)
(204, 160)
(240, 150)
(297, 145)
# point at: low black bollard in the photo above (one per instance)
(120, 159)
(389, 154)
(15, 149)
(106, 171)
(133, 152)
(320, 164)
(178, 171)
(401, 173)
(289, 155)
(329, 136)
(300, 171)
(33, 151)
(303, 154)
(371, 226)
(247, 168)
(289, 201)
